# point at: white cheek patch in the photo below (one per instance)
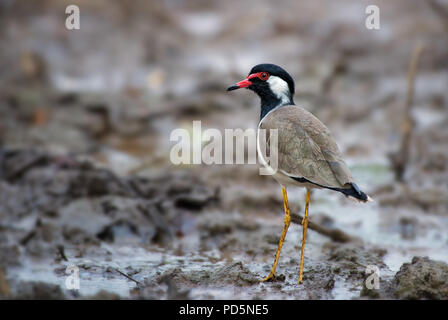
(280, 88)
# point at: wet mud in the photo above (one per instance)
(86, 179)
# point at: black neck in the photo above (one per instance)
(270, 102)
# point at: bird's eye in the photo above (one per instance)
(264, 76)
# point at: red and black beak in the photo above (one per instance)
(247, 82)
(242, 84)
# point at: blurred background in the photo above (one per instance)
(85, 122)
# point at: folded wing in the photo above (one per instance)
(306, 148)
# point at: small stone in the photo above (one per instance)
(423, 278)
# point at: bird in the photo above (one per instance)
(306, 153)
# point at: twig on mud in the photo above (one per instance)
(30, 235)
(400, 158)
(127, 276)
(334, 234)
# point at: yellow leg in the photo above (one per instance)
(287, 221)
(305, 227)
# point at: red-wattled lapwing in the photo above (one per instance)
(307, 155)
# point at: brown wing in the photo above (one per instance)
(306, 148)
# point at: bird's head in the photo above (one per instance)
(272, 83)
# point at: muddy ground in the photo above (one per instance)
(86, 179)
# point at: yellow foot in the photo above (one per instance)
(300, 280)
(270, 277)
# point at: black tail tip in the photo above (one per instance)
(357, 194)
